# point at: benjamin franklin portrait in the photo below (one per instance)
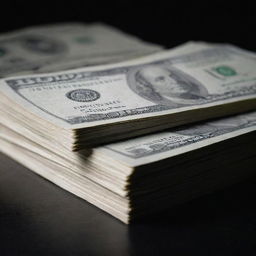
(235, 121)
(249, 118)
(220, 126)
(168, 86)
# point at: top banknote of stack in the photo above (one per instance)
(93, 105)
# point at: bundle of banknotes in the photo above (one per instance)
(129, 126)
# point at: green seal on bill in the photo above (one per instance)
(2, 52)
(84, 40)
(225, 71)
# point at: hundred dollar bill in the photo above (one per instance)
(152, 148)
(150, 173)
(140, 151)
(64, 46)
(193, 82)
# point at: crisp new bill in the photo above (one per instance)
(193, 76)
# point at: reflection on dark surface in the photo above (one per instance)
(38, 218)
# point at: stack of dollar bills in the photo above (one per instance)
(126, 125)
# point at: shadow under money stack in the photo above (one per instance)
(141, 176)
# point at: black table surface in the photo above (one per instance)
(39, 218)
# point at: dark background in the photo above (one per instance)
(165, 22)
(38, 218)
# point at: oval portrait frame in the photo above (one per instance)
(149, 94)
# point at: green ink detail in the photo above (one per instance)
(2, 52)
(84, 40)
(225, 71)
